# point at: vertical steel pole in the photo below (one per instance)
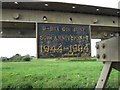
(37, 52)
(104, 76)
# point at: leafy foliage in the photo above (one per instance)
(4, 59)
(26, 58)
(16, 58)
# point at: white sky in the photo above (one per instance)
(12, 46)
(103, 3)
(23, 46)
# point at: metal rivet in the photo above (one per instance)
(95, 21)
(73, 7)
(105, 34)
(97, 46)
(98, 56)
(117, 34)
(104, 56)
(118, 12)
(19, 32)
(70, 19)
(16, 16)
(16, 3)
(113, 21)
(97, 9)
(44, 18)
(103, 45)
(1, 32)
(111, 34)
(46, 5)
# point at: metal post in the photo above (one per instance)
(37, 40)
(104, 75)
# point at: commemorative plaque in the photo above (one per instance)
(63, 40)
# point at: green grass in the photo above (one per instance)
(53, 73)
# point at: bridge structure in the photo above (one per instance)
(21, 20)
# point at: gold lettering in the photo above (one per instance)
(72, 38)
(63, 38)
(63, 29)
(80, 48)
(86, 48)
(50, 38)
(70, 50)
(75, 49)
(53, 49)
(80, 37)
(46, 48)
(86, 37)
(44, 28)
(60, 49)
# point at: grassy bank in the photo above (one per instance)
(54, 73)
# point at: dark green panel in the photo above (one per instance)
(63, 40)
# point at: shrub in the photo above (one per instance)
(4, 59)
(26, 58)
(16, 58)
(19, 58)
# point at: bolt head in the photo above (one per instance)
(104, 56)
(103, 45)
(98, 56)
(97, 46)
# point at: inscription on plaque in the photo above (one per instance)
(63, 40)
